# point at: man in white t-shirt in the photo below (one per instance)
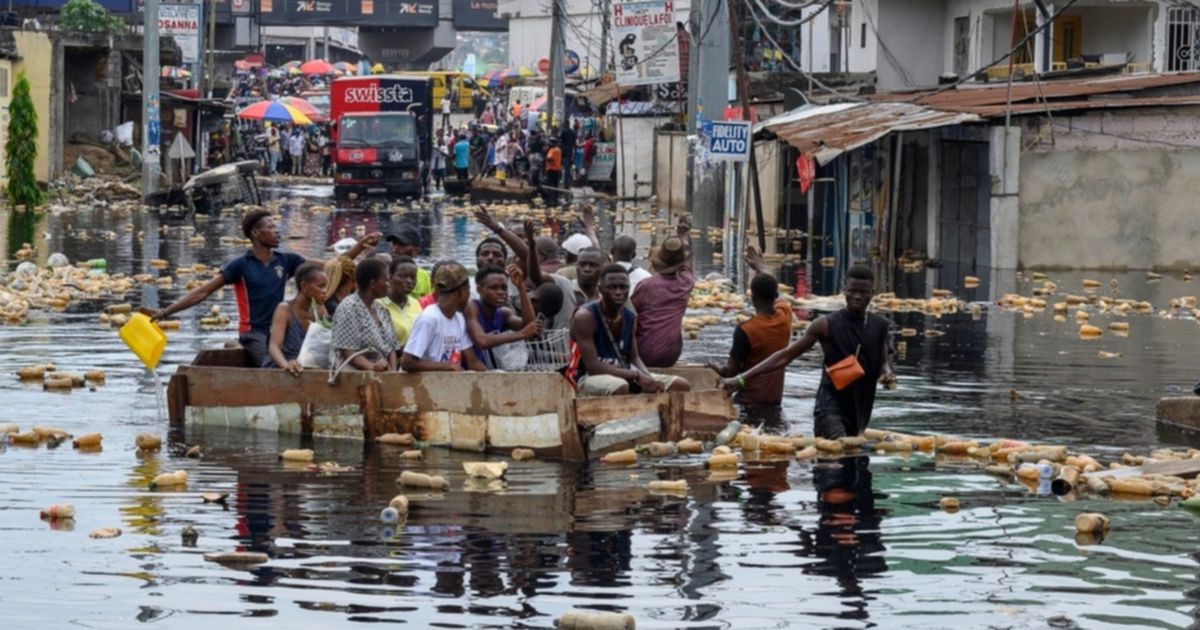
(445, 112)
(438, 341)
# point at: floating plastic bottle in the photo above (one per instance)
(728, 433)
(389, 515)
(58, 510)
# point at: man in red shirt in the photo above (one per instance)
(554, 165)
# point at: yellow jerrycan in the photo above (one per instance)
(145, 339)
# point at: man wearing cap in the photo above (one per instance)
(574, 244)
(577, 242)
(439, 341)
(406, 241)
(661, 300)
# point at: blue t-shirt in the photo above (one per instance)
(462, 154)
(259, 288)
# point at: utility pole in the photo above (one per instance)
(151, 116)
(708, 94)
(743, 88)
(557, 83)
(210, 53)
(605, 24)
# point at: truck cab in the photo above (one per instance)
(382, 134)
(378, 152)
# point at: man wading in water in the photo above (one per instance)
(850, 332)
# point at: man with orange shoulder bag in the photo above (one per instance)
(856, 345)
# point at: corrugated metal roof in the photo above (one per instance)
(825, 132)
(996, 111)
(973, 98)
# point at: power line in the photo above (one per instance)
(792, 23)
(792, 62)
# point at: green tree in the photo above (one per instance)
(21, 148)
(87, 15)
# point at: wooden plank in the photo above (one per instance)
(706, 411)
(227, 387)
(177, 399)
(594, 411)
(223, 357)
(672, 418)
(369, 398)
(568, 430)
(481, 394)
(700, 377)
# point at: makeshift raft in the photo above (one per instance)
(490, 411)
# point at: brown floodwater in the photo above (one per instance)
(851, 543)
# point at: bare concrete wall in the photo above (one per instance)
(1110, 209)
(1111, 190)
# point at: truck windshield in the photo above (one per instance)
(378, 131)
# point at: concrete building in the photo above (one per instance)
(529, 29)
(282, 44)
(1094, 176)
(911, 43)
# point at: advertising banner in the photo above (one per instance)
(477, 15)
(644, 38)
(182, 22)
(395, 13)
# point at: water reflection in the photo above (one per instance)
(22, 226)
(845, 543)
(847, 536)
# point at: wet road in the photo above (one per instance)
(787, 544)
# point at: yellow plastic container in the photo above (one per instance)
(145, 339)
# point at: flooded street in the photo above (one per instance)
(851, 543)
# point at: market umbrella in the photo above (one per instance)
(345, 67)
(175, 72)
(274, 111)
(316, 66)
(292, 64)
(305, 108)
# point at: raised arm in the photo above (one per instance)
(531, 262)
(754, 260)
(192, 298)
(527, 317)
(367, 243)
(513, 240)
(587, 216)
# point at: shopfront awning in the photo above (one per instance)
(827, 131)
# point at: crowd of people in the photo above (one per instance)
(510, 141)
(384, 311)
